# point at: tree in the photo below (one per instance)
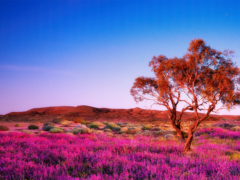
(206, 76)
(162, 89)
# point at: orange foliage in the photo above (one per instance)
(205, 75)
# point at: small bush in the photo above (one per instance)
(116, 128)
(81, 126)
(158, 133)
(3, 128)
(225, 125)
(121, 124)
(78, 131)
(18, 125)
(47, 128)
(87, 131)
(97, 123)
(66, 124)
(94, 126)
(111, 125)
(56, 130)
(133, 130)
(78, 120)
(122, 132)
(82, 131)
(33, 127)
(87, 123)
(146, 127)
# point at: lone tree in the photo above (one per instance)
(206, 76)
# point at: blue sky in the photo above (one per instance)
(55, 53)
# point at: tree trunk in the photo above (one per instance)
(177, 127)
(179, 133)
(187, 146)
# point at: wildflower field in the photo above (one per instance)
(215, 155)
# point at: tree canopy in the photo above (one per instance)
(206, 76)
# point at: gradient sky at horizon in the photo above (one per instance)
(79, 52)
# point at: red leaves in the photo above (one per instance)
(142, 86)
(205, 74)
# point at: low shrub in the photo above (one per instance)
(77, 131)
(122, 132)
(18, 125)
(116, 128)
(94, 126)
(3, 128)
(146, 127)
(121, 124)
(87, 123)
(47, 128)
(158, 133)
(225, 125)
(81, 126)
(111, 125)
(81, 131)
(66, 124)
(56, 130)
(133, 130)
(97, 123)
(33, 126)
(87, 131)
(78, 120)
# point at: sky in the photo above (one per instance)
(81, 52)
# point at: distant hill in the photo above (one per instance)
(93, 113)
